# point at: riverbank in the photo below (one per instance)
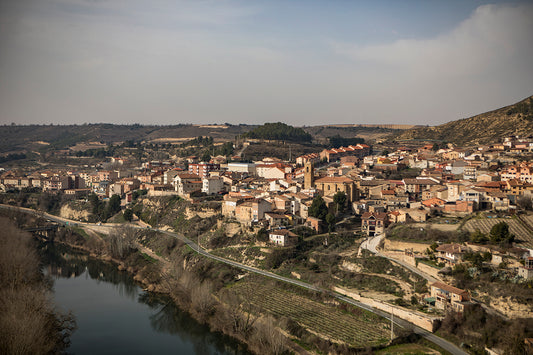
(192, 274)
(114, 314)
(29, 321)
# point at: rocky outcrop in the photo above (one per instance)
(75, 211)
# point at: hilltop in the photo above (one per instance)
(492, 126)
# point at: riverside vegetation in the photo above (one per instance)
(29, 323)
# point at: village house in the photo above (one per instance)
(312, 158)
(517, 187)
(276, 219)
(212, 185)
(526, 271)
(282, 237)
(359, 150)
(185, 183)
(449, 297)
(252, 211)
(374, 223)
(450, 254)
(230, 205)
(397, 216)
(459, 207)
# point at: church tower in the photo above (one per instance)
(309, 175)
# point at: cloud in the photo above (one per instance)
(482, 63)
(188, 61)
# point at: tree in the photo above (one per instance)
(318, 208)
(340, 201)
(128, 214)
(478, 237)
(500, 233)
(525, 203)
(330, 220)
(113, 205)
(262, 235)
(206, 156)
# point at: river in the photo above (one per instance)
(115, 316)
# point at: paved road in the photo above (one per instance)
(446, 345)
(371, 244)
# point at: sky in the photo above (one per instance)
(302, 62)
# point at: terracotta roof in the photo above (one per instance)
(337, 179)
(452, 248)
(380, 215)
(448, 288)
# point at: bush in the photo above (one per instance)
(262, 235)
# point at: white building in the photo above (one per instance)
(242, 167)
(282, 237)
(212, 185)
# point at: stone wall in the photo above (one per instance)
(398, 245)
(422, 320)
(156, 193)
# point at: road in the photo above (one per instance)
(446, 345)
(371, 244)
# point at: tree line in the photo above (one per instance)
(279, 131)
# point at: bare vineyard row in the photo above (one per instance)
(359, 330)
(515, 226)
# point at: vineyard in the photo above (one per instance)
(352, 325)
(516, 227)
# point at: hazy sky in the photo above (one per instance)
(302, 62)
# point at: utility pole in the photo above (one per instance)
(290, 153)
(392, 324)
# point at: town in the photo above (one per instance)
(452, 225)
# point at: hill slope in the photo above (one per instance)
(516, 119)
(15, 138)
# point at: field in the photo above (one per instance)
(516, 227)
(352, 326)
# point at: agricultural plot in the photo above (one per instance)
(360, 329)
(516, 227)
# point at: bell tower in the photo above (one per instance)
(309, 175)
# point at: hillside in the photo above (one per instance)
(516, 119)
(15, 138)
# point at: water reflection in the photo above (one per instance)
(62, 261)
(164, 317)
(170, 319)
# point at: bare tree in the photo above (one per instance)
(28, 322)
(202, 300)
(122, 241)
(268, 337)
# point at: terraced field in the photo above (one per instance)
(360, 329)
(515, 226)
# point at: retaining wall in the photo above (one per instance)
(422, 320)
